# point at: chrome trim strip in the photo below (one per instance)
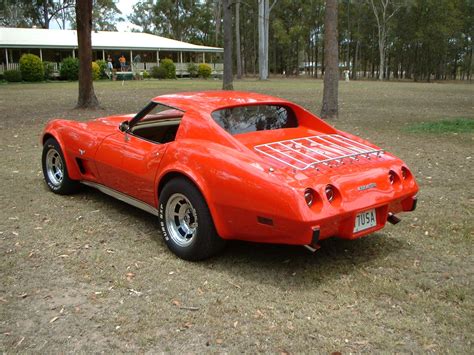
(122, 197)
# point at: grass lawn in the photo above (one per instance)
(88, 273)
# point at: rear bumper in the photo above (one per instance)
(342, 225)
(281, 230)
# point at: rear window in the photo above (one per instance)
(245, 119)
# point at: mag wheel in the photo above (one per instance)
(186, 223)
(55, 170)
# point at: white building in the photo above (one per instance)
(54, 45)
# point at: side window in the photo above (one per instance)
(157, 123)
(157, 131)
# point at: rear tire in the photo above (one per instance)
(186, 223)
(55, 170)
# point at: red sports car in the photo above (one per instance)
(223, 165)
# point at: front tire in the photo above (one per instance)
(186, 223)
(55, 170)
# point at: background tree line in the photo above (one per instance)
(422, 39)
(386, 39)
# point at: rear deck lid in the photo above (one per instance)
(317, 151)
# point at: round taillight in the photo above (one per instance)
(405, 173)
(309, 197)
(392, 177)
(330, 194)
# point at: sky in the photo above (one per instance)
(126, 6)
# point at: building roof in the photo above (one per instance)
(53, 38)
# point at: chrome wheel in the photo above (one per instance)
(181, 220)
(54, 167)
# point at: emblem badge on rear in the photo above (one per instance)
(367, 187)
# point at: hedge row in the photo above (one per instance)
(33, 69)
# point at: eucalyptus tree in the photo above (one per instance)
(227, 83)
(331, 61)
(383, 11)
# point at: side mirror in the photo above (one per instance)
(124, 126)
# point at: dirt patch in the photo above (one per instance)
(88, 273)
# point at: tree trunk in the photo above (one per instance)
(217, 13)
(262, 44)
(355, 62)
(381, 54)
(331, 62)
(87, 98)
(237, 40)
(45, 15)
(228, 75)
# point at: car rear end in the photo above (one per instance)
(350, 188)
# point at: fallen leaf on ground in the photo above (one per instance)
(189, 308)
(21, 341)
(135, 292)
(235, 285)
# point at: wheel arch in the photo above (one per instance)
(47, 136)
(202, 187)
(71, 165)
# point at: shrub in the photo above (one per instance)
(70, 68)
(103, 68)
(31, 68)
(170, 68)
(12, 76)
(158, 72)
(48, 69)
(204, 71)
(95, 71)
(2, 77)
(192, 70)
(146, 75)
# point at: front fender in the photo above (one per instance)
(55, 129)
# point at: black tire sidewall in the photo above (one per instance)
(67, 185)
(206, 242)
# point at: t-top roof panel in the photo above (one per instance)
(53, 38)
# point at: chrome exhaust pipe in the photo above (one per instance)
(392, 218)
(312, 248)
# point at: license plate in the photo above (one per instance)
(365, 220)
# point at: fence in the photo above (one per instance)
(9, 66)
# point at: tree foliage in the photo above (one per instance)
(182, 20)
(41, 13)
(422, 40)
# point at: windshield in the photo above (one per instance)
(245, 119)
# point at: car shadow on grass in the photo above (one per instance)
(286, 266)
(270, 263)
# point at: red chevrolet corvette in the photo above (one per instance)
(226, 165)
